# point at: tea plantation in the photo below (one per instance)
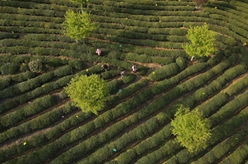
(40, 125)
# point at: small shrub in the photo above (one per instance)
(181, 62)
(35, 65)
(164, 72)
(129, 78)
(5, 82)
(23, 67)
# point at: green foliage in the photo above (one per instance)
(140, 58)
(162, 60)
(78, 64)
(78, 25)
(190, 129)
(24, 67)
(62, 71)
(202, 41)
(164, 71)
(9, 68)
(35, 65)
(181, 62)
(88, 92)
(114, 85)
(128, 78)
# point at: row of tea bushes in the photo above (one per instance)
(136, 100)
(237, 87)
(95, 141)
(223, 148)
(60, 128)
(45, 88)
(26, 85)
(220, 133)
(211, 106)
(136, 35)
(215, 71)
(27, 111)
(235, 23)
(228, 127)
(25, 24)
(239, 155)
(16, 16)
(160, 145)
(230, 108)
(36, 123)
(128, 91)
(33, 12)
(86, 129)
(148, 59)
(127, 48)
(39, 91)
(35, 82)
(6, 81)
(123, 65)
(168, 70)
(9, 68)
(169, 97)
(214, 118)
(135, 135)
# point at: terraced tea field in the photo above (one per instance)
(39, 124)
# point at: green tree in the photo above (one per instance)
(78, 25)
(190, 129)
(202, 41)
(88, 92)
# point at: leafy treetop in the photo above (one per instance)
(190, 129)
(202, 41)
(78, 25)
(88, 92)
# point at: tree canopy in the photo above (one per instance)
(202, 41)
(190, 129)
(88, 92)
(78, 25)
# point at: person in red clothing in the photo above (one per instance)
(98, 51)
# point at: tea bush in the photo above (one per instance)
(9, 68)
(164, 72)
